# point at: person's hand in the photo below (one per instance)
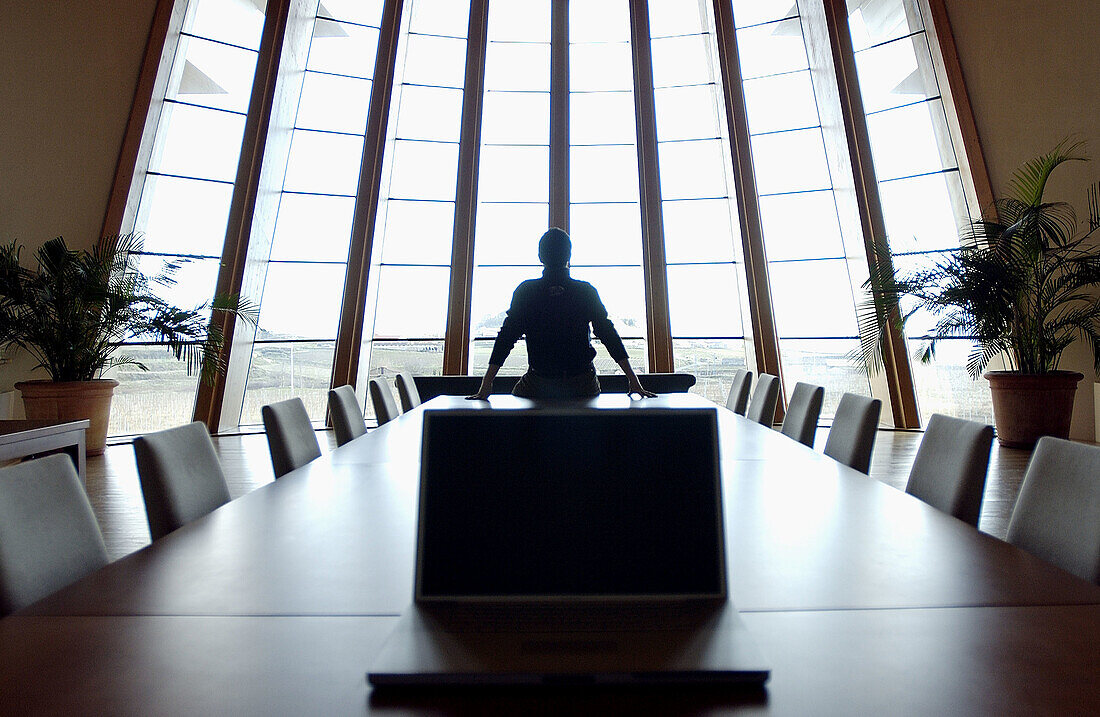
(479, 396)
(636, 387)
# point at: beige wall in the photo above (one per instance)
(1032, 70)
(67, 80)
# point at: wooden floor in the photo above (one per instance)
(116, 495)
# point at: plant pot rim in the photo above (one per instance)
(1058, 374)
(43, 382)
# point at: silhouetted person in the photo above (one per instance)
(554, 313)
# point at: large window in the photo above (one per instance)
(671, 138)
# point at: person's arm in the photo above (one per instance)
(486, 384)
(632, 380)
(606, 333)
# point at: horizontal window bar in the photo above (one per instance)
(694, 199)
(600, 92)
(326, 131)
(933, 173)
(775, 74)
(690, 139)
(687, 84)
(933, 98)
(184, 176)
(771, 22)
(803, 260)
(219, 42)
(783, 131)
(294, 341)
(431, 87)
(169, 101)
(708, 338)
(927, 252)
(797, 191)
(176, 255)
(348, 22)
(498, 201)
(426, 141)
(339, 74)
(520, 42)
(893, 39)
(414, 266)
(418, 199)
(432, 34)
(307, 261)
(683, 34)
(514, 144)
(302, 193)
(703, 263)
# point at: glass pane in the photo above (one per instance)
(336, 104)
(692, 169)
(412, 302)
(301, 301)
(599, 21)
(212, 75)
(238, 23)
(278, 372)
(712, 362)
(896, 74)
(682, 61)
(753, 12)
(440, 17)
(424, 170)
(514, 365)
(162, 397)
(184, 215)
(387, 358)
(312, 228)
(906, 141)
(671, 17)
(600, 67)
(623, 295)
(517, 66)
(519, 20)
(439, 61)
(364, 12)
(516, 118)
(699, 230)
(635, 353)
(603, 174)
(429, 113)
(493, 288)
(921, 212)
(703, 300)
(686, 113)
(197, 142)
(509, 233)
(418, 232)
(790, 162)
(831, 313)
(771, 49)
(606, 233)
(801, 226)
(781, 102)
(195, 280)
(323, 163)
(343, 49)
(944, 386)
(601, 118)
(876, 21)
(514, 174)
(825, 363)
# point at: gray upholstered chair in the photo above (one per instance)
(949, 470)
(803, 410)
(738, 399)
(347, 416)
(48, 534)
(406, 391)
(385, 407)
(852, 437)
(764, 399)
(290, 436)
(1057, 514)
(181, 478)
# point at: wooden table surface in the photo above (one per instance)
(865, 601)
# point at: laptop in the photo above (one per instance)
(569, 546)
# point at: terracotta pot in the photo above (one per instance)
(1029, 406)
(71, 401)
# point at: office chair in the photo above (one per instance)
(949, 470)
(764, 399)
(290, 436)
(385, 407)
(800, 421)
(347, 416)
(852, 437)
(738, 398)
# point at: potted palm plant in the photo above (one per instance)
(1023, 286)
(74, 311)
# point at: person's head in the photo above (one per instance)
(555, 248)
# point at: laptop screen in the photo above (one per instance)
(570, 503)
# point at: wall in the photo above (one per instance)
(1032, 71)
(67, 76)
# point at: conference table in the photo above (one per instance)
(863, 599)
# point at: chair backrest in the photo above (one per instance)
(406, 391)
(1057, 514)
(738, 400)
(385, 407)
(347, 416)
(852, 437)
(290, 436)
(800, 421)
(949, 470)
(764, 399)
(48, 534)
(181, 478)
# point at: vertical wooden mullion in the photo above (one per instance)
(349, 338)
(764, 335)
(231, 276)
(559, 114)
(456, 348)
(156, 66)
(903, 398)
(649, 185)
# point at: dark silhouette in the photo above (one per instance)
(554, 312)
